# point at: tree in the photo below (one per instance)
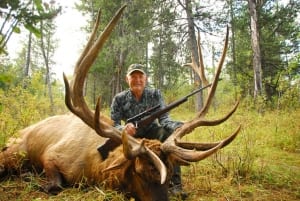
(165, 70)
(278, 32)
(47, 48)
(192, 43)
(233, 45)
(255, 41)
(18, 14)
(171, 28)
(280, 43)
(202, 18)
(159, 23)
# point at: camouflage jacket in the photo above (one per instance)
(124, 106)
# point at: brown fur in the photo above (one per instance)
(66, 149)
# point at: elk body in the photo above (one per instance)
(66, 149)
(65, 146)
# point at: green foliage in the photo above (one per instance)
(289, 95)
(279, 43)
(21, 107)
(10, 75)
(12, 110)
(5, 80)
(285, 131)
(17, 14)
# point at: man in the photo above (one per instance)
(138, 98)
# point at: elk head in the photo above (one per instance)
(181, 152)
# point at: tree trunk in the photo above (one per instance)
(255, 47)
(233, 56)
(194, 50)
(46, 60)
(28, 58)
(119, 64)
(118, 76)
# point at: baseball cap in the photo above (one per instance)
(135, 67)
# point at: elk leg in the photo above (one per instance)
(54, 178)
(11, 161)
(175, 186)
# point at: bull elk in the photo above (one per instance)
(65, 146)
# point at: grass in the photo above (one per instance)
(262, 163)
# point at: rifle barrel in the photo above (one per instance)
(198, 90)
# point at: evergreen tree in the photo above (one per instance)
(279, 42)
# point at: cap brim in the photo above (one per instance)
(129, 73)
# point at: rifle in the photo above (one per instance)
(145, 118)
(139, 117)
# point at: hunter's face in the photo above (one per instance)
(137, 81)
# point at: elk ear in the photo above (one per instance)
(116, 164)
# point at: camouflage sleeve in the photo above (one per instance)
(164, 119)
(116, 113)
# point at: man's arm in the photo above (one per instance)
(165, 119)
(119, 111)
(115, 113)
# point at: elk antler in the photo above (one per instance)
(193, 152)
(198, 69)
(74, 98)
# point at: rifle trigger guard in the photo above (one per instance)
(136, 124)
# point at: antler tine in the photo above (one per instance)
(214, 85)
(198, 69)
(91, 39)
(201, 62)
(184, 149)
(104, 129)
(76, 102)
(192, 154)
(199, 120)
(131, 152)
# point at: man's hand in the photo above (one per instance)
(130, 129)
